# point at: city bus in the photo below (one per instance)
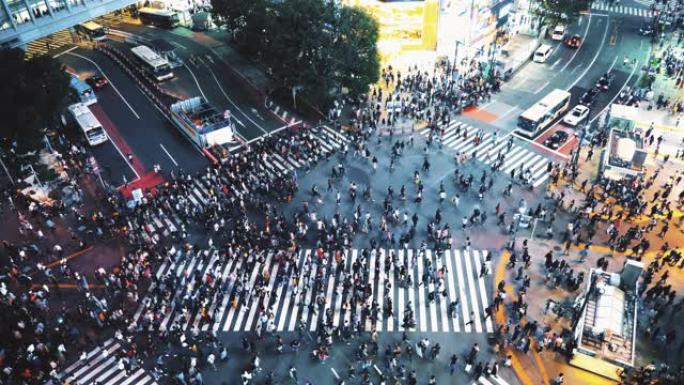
(93, 30)
(155, 65)
(162, 18)
(83, 91)
(543, 113)
(88, 123)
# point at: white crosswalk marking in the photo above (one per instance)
(621, 9)
(58, 41)
(460, 137)
(100, 367)
(166, 220)
(267, 291)
(490, 380)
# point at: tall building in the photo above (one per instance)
(22, 21)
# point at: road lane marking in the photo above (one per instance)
(555, 63)
(598, 52)
(64, 52)
(586, 30)
(540, 89)
(233, 102)
(619, 92)
(612, 65)
(169, 155)
(337, 376)
(108, 80)
(178, 44)
(196, 82)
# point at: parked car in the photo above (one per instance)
(558, 33)
(576, 115)
(97, 82)
(574, 41)
(556, 139)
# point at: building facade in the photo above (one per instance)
(22, 21)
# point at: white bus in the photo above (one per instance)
(543, 113)
(162, 18)
(92, 30)
(88, 123)
(155, 65)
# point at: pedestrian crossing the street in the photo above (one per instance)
(621, 9)
(462, 138)
(208, 292)
(56, 42)
(167, 220)
(490, 380)
(103, 365)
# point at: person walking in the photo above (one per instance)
(453, 362)
(293, 374)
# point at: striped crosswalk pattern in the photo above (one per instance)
(56, 42)
(302, 292)
(102, 367)
(490, 380)
(621, 9)
(489, 146)
(166, 220)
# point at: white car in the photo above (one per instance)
(576, 115)
(558, 33)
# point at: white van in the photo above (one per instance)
(542, 53)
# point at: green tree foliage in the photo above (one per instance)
(563, 10)
(317, 46)
(33, 93)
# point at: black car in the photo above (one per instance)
(97, 82)
(556, 140)
(589, 97)
(604, 82)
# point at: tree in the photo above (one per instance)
(314, 46)
(556, 11)
(33, 93)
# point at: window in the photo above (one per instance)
(5, 22)
(20, 13)
(39, 8)
(57, 5)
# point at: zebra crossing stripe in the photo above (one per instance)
(471, 286)
(450, 286)
(421, 295)
(212, 309)
(371, 277)
(431, 288)
(381, 288)
(309, 289)
(96, 362)
(266, 296)
(245, 303)
(300, 287)
(274, 304)
(442, 300)
(462, 294)
(226, 298)
(411, 292)
(390, 319)
(478, 260)
(490, 380)
(400, 296)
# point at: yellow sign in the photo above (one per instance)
(404, 26)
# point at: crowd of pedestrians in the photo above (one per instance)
(416, 94)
